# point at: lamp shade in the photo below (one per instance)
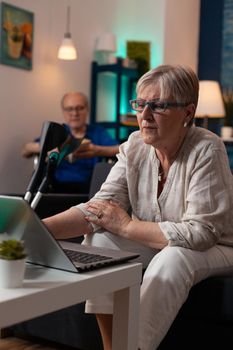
(210, 102)
(106, 42)
(67, 50)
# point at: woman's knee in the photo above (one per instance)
(172, 264)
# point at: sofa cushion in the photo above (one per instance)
(210, 299)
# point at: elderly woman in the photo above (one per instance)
(175, 179)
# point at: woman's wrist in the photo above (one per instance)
(127, 229)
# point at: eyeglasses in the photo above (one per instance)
(155, 106)
(76, 109)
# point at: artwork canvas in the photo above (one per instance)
(139, 51)
(16, 40)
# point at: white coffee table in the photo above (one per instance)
(46, 290)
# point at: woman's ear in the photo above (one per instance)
(190, 112)
(191, 109)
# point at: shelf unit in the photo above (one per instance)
(119, 70)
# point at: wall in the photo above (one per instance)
(181, 32)
(30, 97)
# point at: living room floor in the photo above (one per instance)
(13, 343)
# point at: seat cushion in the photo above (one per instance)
(210, 299)
(205, 321)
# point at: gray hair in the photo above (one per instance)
(74, 93)
(177, 82)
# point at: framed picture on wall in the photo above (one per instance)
(16, 38)
(139, 51)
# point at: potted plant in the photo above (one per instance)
(12, 263)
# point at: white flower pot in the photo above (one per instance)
(12, 273)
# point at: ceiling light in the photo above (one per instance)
(67, 50)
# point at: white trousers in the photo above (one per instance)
(169, 276)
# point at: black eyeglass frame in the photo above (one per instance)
(156, 106)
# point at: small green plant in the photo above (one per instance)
(12, 249)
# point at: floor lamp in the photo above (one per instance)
(210, 102)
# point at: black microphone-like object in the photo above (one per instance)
(70, 145)
(52, 136)
(50, 169)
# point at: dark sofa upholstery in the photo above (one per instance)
(204, 322)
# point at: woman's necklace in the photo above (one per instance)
(161, 180)
(160, 176)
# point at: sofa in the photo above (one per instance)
(205, 321)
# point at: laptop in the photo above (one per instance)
(18, 220)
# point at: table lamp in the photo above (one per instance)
(210, 102)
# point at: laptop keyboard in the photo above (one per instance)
(85, 258)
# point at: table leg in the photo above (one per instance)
(126, 318)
